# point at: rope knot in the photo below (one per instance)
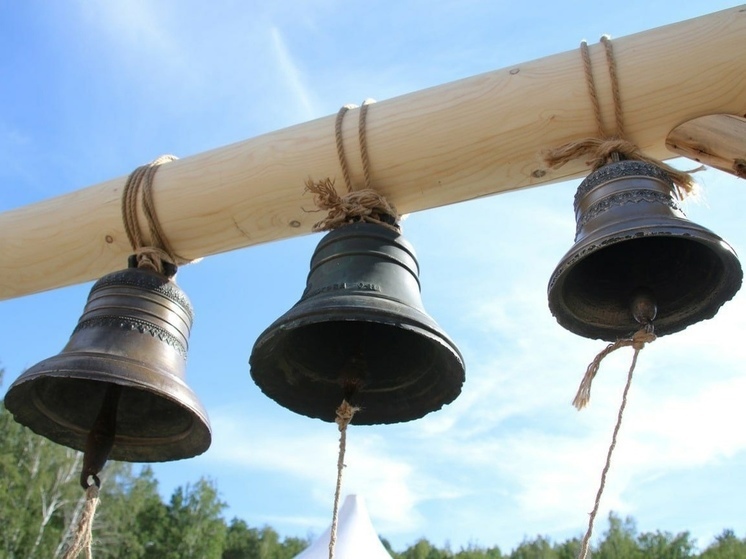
(606, 148)
(345, 413)
(642, 337)
(364, 205)
(157, 254)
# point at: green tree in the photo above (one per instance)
(539, 548)
(569, 549)
(473, 551)
(293, 546)
(726, 546)
(131, 517)
(387, 544)
(241, 542)
(193, 527)
(664, 545)
(423, 549)
(620, 540)
(38, 493)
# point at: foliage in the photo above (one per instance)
(40, 501)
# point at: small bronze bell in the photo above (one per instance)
(359, 332)
(633, 239)
(124, 365)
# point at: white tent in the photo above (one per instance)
(356, 538)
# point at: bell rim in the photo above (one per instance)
(285, 325)
(126, 448)
(342, 308)
(590, 244)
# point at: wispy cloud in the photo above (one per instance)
(292, 75)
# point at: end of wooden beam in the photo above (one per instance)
(717, 140)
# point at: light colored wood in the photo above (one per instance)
(715, 140)
(462, 140)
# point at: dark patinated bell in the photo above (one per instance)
(359, 332)
(632, 239)
(124, 365)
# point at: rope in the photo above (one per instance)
(591, 83)
(362, 123)
(340, 144)
(616, 96)
(83, 538)
(637, 341)
(356, 205)
(605, 148)
(359, 205)
(345, 413)
(159, 251)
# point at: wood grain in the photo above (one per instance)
(475, 137)
(715, 140)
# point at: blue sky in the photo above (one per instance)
(89, 91)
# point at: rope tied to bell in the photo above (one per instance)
(83, 536)
(357, 204)
(603, 150)
(157, 254)
(637, 341)
(345, 413)
(607, 148)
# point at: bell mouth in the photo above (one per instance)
(394, 370)
(689, 276)
(159, 418)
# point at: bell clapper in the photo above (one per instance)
(100, 439)
(353, 374)
(644, 308)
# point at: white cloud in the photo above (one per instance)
(292, 75)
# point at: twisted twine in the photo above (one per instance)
(359, 205)
(364, 204)
(83, 538)
(604, 148)
(345, 413)
(637, 341)
(159, 250)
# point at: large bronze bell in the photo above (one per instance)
(359, 332)
(126, 359)
(633, 244)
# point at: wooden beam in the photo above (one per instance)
(462, 140)
(715, 140)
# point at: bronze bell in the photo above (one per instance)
(633, 244)
(359, 332)
(127, 355)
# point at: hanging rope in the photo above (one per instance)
(605, 148)
(83, 538)
(159, 251)
(363, 204)
(99, 442)
(345, 413)
(638, 341)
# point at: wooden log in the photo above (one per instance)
(462, 140)
(715, 140)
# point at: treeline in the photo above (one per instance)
(41, 500)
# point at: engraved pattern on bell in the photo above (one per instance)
(133, 333)
(631, 235)
(359, 332)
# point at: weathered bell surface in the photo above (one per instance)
(133, 337)
(633, 238)
(359, 332)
